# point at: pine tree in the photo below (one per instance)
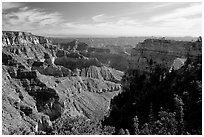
(127, 132)
(121, 132)
(199, 39)
(166, 125)
(135, 125)
(151, 114)
(179, 114)
(145, 130)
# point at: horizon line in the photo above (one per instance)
(97, 36)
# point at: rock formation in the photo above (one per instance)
(178, 63)
(111, 55)
(105, 73)
(41, 83)
(22, 38)
(74, 45)
(162, 51)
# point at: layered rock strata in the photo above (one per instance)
(37, 89)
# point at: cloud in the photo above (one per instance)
(181, 19)
(182, 23)
(158, 6)
(10, 5)
(127, 26)
(114, 29)
(127, 21)
(104, 19)
(101, 18)
(26, 19)
(180, 13)
(165, 5)
(178, 22)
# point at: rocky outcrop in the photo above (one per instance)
(178, 63)
(44, 124)
(23, 47)
(105, 73)
(74, 59)
(19, 112)
(74, 45)
(51, 94)
(116, 61)
(42, 83)
(162, 51)
(17, 107)
(111, 55)
(80, 63)
(11, 38)
(51, 69)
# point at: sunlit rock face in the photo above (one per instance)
(22, 38)
(105, 73)
(178, 63)
(162, 51)
(40, 84)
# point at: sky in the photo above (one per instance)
(103, 18)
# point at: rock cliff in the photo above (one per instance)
(112, 55)
(22, 38)
(74, 45)
(162, 51)
(105, 73)
(40, 84)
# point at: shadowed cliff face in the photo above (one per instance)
(111, 55)
(41, 82)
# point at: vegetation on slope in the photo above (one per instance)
(157, 101)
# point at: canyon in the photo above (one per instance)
(43, 81)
